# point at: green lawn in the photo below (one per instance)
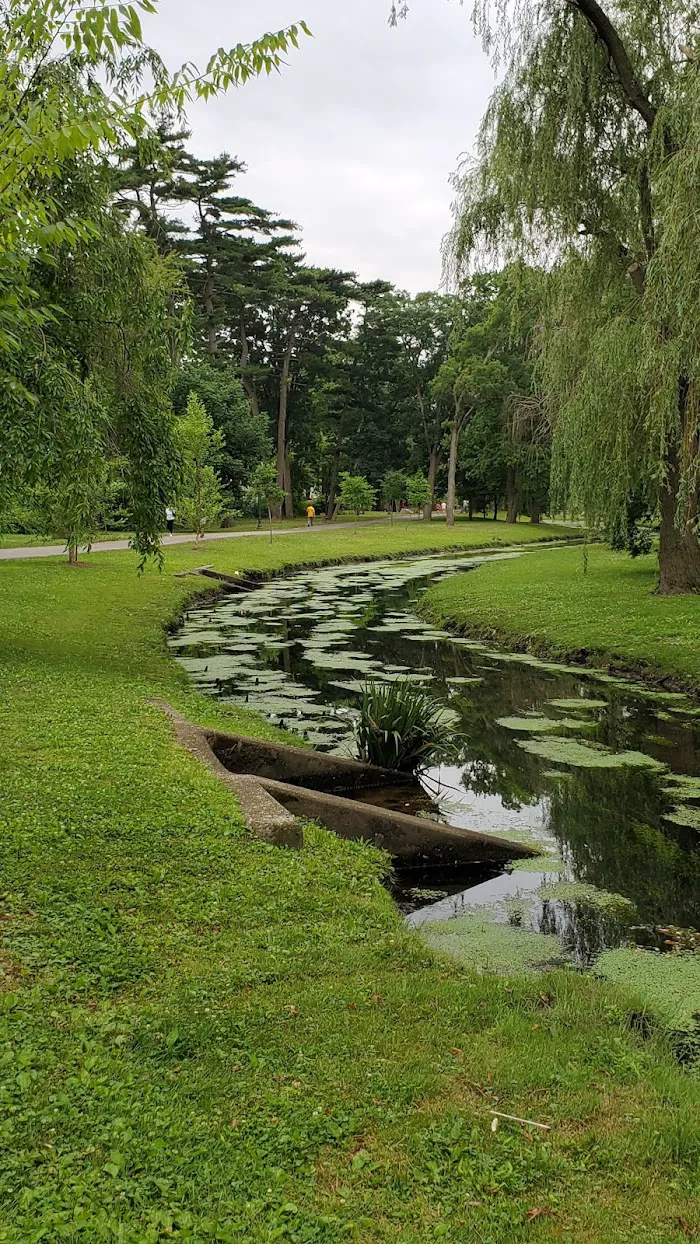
(609, 613)
(205, 1038)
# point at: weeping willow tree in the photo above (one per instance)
(589, 158)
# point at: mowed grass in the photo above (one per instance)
(204, 1038)
(548, 601)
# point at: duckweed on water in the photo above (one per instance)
(669, 984)
(489, 947)
(537, 863)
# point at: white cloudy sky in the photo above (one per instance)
(357, 137)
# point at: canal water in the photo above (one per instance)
(601, 775)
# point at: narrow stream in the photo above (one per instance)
(604, 776)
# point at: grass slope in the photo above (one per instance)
(548, 601)
(204, 1038)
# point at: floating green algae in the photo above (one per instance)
(585, 756)
(669, 984)
(590, 895)
(490, 947)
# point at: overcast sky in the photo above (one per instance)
(357, 137)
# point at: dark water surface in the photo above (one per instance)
(603, 775)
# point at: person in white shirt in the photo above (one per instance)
(170, 520)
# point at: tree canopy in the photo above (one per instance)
(587, 160)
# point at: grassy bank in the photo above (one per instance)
(607, 615)
(208, 1039)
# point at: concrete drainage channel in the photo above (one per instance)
(278, 786)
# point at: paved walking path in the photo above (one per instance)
(111, 546)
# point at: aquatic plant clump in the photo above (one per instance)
(399, 726)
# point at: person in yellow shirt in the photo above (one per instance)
(310, 515)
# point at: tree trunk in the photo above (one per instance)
(282, 460)
(471, 509)
(679, 549)
(495, 509)
(288, 498)
(333, 486)
(452, 470)
(246, 380)
(512, 498)
(432, 476)
(335, 471)
(208, 301)
(535, 512)
(72, 553)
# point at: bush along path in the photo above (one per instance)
(591, 606)
(205, 1038)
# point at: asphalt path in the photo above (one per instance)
(113, 546)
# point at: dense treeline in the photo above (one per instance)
(171, 339)
(330, 375)
(164, 340)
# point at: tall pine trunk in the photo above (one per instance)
(246, 379)
(283, 480)
(288, 498)
(333, 483)
(535, 512)
(208, 302)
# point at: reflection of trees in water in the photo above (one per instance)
(608, 824)
(584, 930)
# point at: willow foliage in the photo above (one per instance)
(588, 158)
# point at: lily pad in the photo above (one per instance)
(578, 703)
(565, 751)
(682, 786)
(686, 815)
(542, 725)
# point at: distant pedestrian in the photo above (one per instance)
(170, 520)
(310, 515)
